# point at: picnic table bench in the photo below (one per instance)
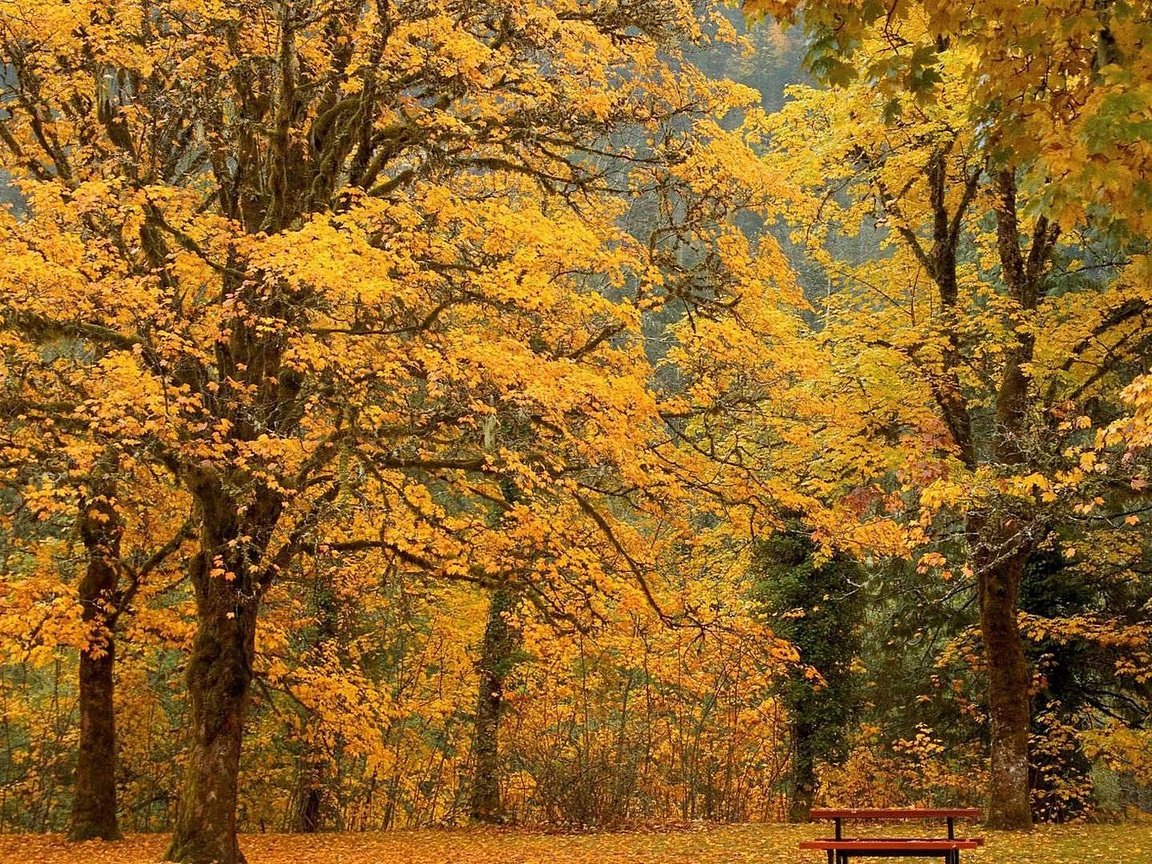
(840, 848)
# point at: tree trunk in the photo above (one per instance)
(1005, 544)
(94, 792)
(308, 810)
(999, 575)
(497, 656)
(220, 671)
(309, 800)
(307, 814)
(802, 781)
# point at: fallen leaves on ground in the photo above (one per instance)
(740, 844)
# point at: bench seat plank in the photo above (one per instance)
(875, 844)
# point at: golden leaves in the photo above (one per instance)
(1068, 844)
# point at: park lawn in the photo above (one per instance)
(739, 844)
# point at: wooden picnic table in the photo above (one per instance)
(841, 849)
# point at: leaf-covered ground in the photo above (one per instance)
(763, 844)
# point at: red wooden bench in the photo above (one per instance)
(841, 849)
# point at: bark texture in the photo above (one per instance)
(219, 675)
(1009, 799)
(224, 578)
(94, 792)
(497, 656)
(308, 805)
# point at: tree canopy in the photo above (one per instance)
(497, 410)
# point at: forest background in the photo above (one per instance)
(571, 413)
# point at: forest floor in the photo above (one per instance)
(739, 844)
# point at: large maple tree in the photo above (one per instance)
(306, 256)
(1002, 295)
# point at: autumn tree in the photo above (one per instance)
(82, 512)
(1008, 356)
(311, 245)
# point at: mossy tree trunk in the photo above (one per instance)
(1009, 708)
(94, 792)
(497, 658)
(802, 779)
(223, 575)
(308, 810)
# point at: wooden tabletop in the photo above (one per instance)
(881, 813)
